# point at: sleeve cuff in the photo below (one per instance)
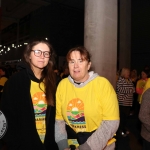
(62, 144)
(84, 146)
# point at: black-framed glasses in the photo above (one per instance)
(38, 53)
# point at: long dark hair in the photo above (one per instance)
(47, 76)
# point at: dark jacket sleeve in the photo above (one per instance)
(8, 107)
(16, 104)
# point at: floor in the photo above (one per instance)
(133, 141)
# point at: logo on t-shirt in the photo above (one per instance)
(40, 106)
(75, 115)
(3, 125)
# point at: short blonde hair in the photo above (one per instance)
(123, 71)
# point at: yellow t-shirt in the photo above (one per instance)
(139, 88)
(2, 81)
(146, 87)
(40, 106)
(83, 109)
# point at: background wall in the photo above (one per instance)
(140, 31)
(61, 24)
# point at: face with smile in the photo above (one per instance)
(78, 67)
(39, 62)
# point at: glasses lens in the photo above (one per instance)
(46, 54)
(37, 53)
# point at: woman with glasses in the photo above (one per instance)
(28, 100)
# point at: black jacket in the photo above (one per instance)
(16, 104)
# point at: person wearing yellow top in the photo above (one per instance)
(141, 83)
(3, 78)
(87, 112)
(28, 100)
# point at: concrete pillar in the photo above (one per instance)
(124, 33)
(100, 36)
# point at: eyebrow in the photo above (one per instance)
(77, 59)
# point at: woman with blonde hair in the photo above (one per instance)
(141, 83)
(125, 90)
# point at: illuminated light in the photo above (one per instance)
(18, 45)
(8, 49)
(0, 45)
(4, 46)
(2, 50)
(13, 45)
(25, 43)
(46, 38)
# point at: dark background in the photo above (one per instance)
(140, 34)
(64, 27)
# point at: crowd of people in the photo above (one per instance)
(72, 109)
(133, 96)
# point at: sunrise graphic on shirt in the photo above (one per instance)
(39, 102)
(75, 114)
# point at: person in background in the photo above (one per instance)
(117, 75)
(65, 72)
(87, 112)
(134, 76)
(134, 79)
(144, 116)
(124, 90)
(28, 100)
(3, 78)
(141, 83)
(57, 74)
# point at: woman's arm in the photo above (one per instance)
(99, 139)
(139, 89)
(144, 113)
(61, 134)
(8, 107)
(110, 121)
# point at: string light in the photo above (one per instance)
(11, 47)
